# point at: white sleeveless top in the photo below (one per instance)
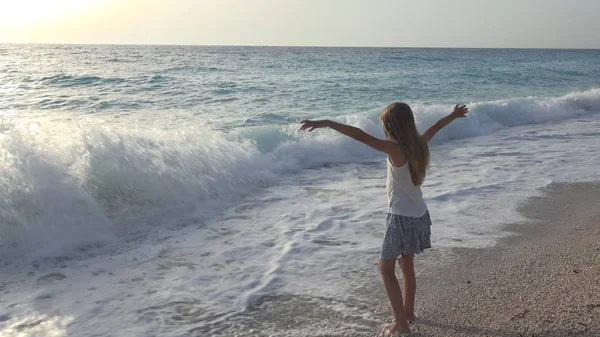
(404, 197)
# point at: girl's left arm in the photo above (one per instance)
(458, 112)
(352, 132)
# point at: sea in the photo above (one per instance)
(168, 191)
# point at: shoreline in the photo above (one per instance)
(543, 281)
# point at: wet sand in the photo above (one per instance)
(542, 282)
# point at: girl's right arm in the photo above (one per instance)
(459, 112)
(352, 132)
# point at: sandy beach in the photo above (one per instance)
(543, 282)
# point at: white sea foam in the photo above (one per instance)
(69, 185)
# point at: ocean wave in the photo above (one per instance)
(487, 117)
(122, 60)
(73, 81)
(68, 185)
(195, 69)
(63, 80)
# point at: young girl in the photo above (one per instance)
(408, 222)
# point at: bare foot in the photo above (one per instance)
(394, 328)
(411, 318)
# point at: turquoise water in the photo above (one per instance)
(170, 186)
(241, 86)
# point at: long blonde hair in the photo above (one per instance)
(399, 126)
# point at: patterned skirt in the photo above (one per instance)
(405, 235)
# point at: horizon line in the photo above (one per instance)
(284, 46)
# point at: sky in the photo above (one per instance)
(369, 23)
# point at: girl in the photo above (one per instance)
(408, 222)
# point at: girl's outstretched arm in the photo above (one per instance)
(352, 132)
(459, 112)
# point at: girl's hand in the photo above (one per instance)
(460, 111)
(311, 125)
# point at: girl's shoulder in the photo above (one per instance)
(397, 157)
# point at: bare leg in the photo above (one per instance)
(392, 288)
(410, 285)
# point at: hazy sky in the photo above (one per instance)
(401, 23)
